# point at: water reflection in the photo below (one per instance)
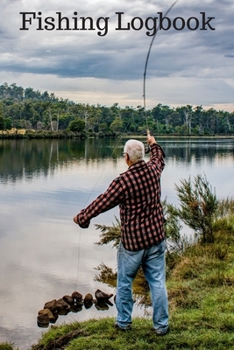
(196, 151)
(26, 158)
(19, 158)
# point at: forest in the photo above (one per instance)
(42, 111)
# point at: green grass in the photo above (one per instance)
(201, 303)
(6, 346)
(190, 329)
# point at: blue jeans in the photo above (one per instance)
(152, 261)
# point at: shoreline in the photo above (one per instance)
(42, 134)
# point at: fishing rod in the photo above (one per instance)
(146, 64)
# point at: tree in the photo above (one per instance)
(64, 121)
(17, 92)
(198, 206)
(116, 125)
(1, 123)
(198, 112)
(77, 125)
(103, 127)
(7, 123)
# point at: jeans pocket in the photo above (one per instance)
(122, 250)
(131, 253)
(163, 246)
(158, 249)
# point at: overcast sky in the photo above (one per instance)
(185, 66)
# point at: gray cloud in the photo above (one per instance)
(119, 55)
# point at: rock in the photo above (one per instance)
(51, 305)
(54, 308)
(52, 318)
(47, 312)
(88, 301)
(88, 298)
(88, 304)
(77, 298)
(68, 299)
(101, 296)
(64, 312)
(62, 305)
(43, 320)
(57, 307)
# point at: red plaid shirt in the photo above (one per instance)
(137, 191)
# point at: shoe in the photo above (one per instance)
(124, 329)
(163, 332)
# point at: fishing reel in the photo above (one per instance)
(147, 148)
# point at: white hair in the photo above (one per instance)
(135, 150)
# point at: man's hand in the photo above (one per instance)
(150, 139)
(75, 220)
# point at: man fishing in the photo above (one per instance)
(137, 191)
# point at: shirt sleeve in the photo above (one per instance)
(157, 156)
(105, 201)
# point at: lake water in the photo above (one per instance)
(43, 184)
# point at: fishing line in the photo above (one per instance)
(91, 192)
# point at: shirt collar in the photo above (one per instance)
(135, 166)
